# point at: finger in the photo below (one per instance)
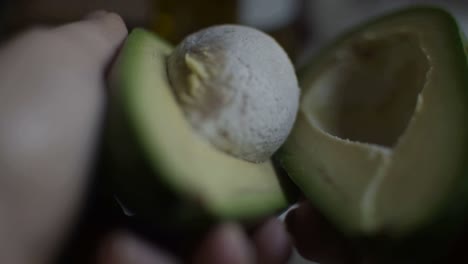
(272, 242)
(124, 248)
(226, 244)
(315, 238)
(101, 33)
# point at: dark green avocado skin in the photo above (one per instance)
(440, 236)
(172, 222)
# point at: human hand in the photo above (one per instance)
(52, 100)
(226, 243)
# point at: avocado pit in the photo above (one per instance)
(237, 88)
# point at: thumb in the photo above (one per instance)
(51, 104)
(100, 32)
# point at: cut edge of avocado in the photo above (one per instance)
(161, 167)
(406, 184)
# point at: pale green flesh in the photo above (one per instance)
(378, 139)
(226, 187)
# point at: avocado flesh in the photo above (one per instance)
(380, 141)
(147, 129)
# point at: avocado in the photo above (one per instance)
(380, 144)
(159, 168)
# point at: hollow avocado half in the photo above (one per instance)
(380, 145)
(160, 169)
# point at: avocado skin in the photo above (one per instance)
(126, 161)
(154, 205)
(435, 240)
(160, 215)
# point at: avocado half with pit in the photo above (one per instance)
(160, 169)
(380, 145)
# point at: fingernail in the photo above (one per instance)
(96, 14)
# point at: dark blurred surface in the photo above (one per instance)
(301, 26)
(24, 13)
(283, 19)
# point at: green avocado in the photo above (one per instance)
(160, 169)
(380, 145)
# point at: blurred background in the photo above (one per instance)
(300, 26)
